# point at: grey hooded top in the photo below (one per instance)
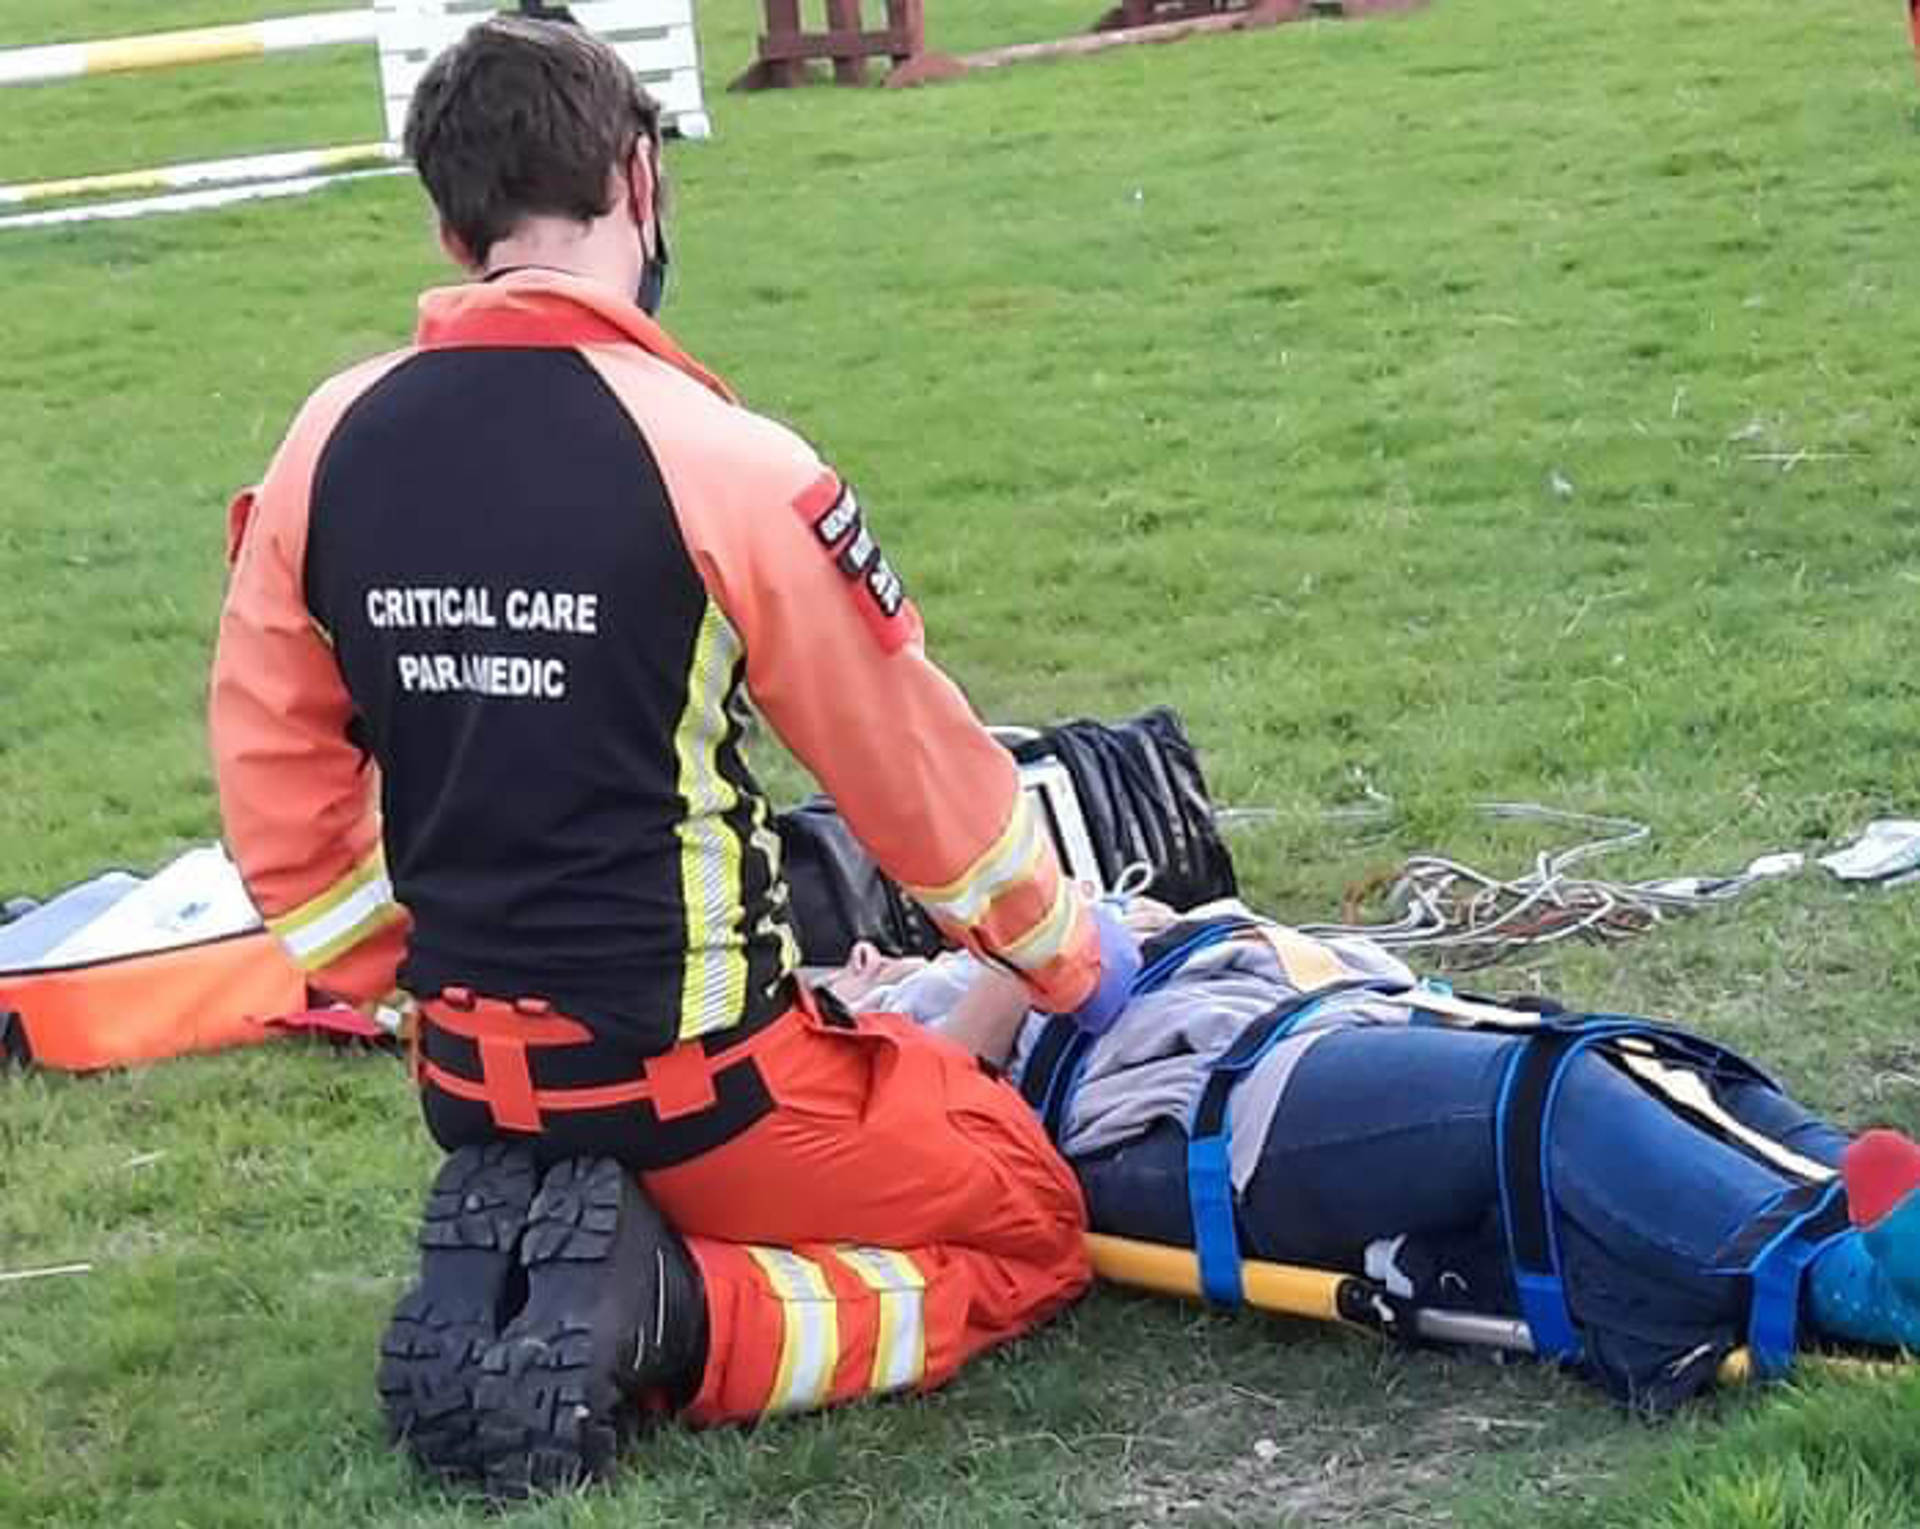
(1152, 1065)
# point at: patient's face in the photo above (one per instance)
(866, 970)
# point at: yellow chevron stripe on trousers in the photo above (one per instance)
(900, 1347)
(810, 1330)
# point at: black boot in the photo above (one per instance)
(615, 1312)
(470, 1285)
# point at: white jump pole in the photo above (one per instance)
(196, 45)
(208, 172)
(654, 37)
(187, 201)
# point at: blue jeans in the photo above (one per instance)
(1390, 1130)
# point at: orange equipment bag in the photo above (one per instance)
(142, 1008)
(126, 969)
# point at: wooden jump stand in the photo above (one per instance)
(786, 47)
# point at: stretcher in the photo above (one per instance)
(1351, 1300)
(1771, 1252)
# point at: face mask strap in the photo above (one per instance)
(653, 270)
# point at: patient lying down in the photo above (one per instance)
(1364, 1131)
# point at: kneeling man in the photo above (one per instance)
(520, 580)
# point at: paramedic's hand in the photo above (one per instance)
(1119, 965)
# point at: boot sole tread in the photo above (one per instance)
(547, 1418)
(430, 1354)
(549, 1401)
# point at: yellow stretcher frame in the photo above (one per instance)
(1323, 1295)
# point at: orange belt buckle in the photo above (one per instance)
(509, 1084)
(680, 1081)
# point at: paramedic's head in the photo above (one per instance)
(539, 147)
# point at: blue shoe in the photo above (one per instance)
(1866, 1287)
(1883, 1173)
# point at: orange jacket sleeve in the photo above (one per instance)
(836, 663)
(298, 799)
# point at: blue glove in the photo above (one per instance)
(1119, 965)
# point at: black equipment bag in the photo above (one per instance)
(839, 895)
(1144, 799)
(1140, 791)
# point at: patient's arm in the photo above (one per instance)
(987, 1018)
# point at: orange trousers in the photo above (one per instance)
(896, 1212)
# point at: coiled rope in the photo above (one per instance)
(1435, 902)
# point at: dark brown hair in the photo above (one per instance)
(524, 117)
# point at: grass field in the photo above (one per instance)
(1509, 400)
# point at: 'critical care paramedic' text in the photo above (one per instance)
(460, 606)
(467, 607)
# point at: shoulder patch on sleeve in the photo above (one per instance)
(832, 511)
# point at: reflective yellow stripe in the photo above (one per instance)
(900, 1348)
(374, 865)
(713, 991)
(1048, 938)
(386, 911)
(349, 912)
(810, 1330)
(778, 918)
(1011, 857)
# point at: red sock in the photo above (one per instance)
(1881, 1168)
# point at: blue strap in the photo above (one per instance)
(1523, 1118)
(1039, 1072)
(1073, 1067)
(1053, 1070)
(1543, 1305)
(1161, 970)
(1776, 1273)
(1525, 1213)
(1216, 1238)
(1529, 1093)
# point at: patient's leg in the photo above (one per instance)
(1380, 1132)
(1785, 1120)
(1863, 1288)
(1390, 1131)
(1355, 1153)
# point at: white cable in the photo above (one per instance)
(1435, 902)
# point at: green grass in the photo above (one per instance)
(1234, 375)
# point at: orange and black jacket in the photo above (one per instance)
(481, 696)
